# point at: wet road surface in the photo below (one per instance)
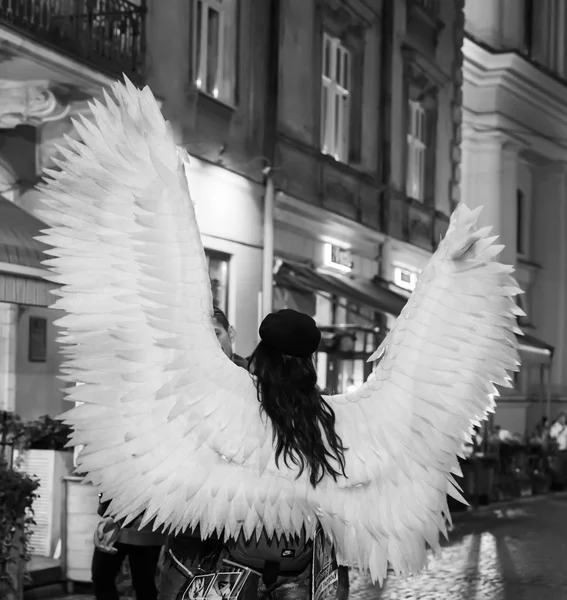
(516, 552)
(513, 553)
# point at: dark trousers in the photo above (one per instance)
(143, 565)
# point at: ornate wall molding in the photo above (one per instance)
(342, 21)
(28, 103)
(421, 69)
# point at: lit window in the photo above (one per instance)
(335, 98)
(213, 45)
(416, 151)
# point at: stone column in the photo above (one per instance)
(549, 249)
(490, 180)
(8, 348)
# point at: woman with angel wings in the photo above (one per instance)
(174, 431)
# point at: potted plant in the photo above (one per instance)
(17, 493)
(47, 433)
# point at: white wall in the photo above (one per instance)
(229, 214)
(38, 391)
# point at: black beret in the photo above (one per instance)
(290, 332)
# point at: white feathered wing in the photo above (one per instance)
(172, 429)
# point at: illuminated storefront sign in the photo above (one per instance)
(338, 258)
(405, 278)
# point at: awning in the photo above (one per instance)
(20, 258)
(28, 291)
(17, 231)
(533, 350)
(373, 295)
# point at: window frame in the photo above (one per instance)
(420, 87)
(224, 89)
(333, 87)
(416, 147)
(37, 339)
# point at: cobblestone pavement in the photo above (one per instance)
(512, 553)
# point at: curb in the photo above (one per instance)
(482, 511)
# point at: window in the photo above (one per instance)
(544, 34)
(522, 303)
(214, 47)
(37, 339)
(520, 222)
(335, 98)
(416, 151)
(218, 275)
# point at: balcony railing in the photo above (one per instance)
(108, 34)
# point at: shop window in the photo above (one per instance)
(214, 48)
(218, 274)
(37, 340)
(335, 98)
(350, 336)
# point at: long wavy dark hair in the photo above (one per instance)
(304, 424)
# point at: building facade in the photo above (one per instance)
(366, 163)
(210, 82)
(514, 148)
(324, 141)
(207, 61)
(55, 57)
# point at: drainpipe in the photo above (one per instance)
(270, 141)
(268, 255)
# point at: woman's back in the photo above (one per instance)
(286, 382)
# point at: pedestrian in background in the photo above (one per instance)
(558, 434)
(187, 552)
(113, 545)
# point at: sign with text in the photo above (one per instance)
(338, 258)
(405, 278)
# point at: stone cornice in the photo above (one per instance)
(485, 69)
(414, 58)
(357, 12)
(480, 127)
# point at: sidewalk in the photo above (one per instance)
(481, 511)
